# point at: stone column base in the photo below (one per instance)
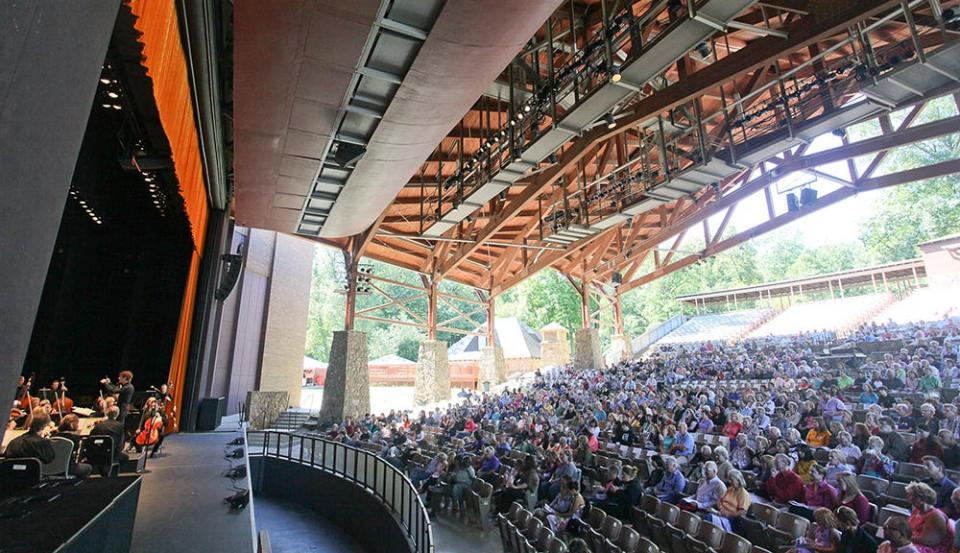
(432, 381)
(264, 408)
(346, 391)
(621, 349)
(492, 367)
(586, 351)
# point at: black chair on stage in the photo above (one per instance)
(18, 474)
(98, 451)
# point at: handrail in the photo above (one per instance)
(364, 468)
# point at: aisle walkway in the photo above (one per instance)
(181, 504)
(297, 529)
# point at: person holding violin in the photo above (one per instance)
(150, 432)
(35, 443)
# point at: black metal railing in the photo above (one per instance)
(363, 468)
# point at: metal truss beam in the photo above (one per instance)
(874, 183)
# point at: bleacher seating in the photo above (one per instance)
(716, 327)
(828, 315)
(923, 304)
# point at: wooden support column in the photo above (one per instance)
(617, 315)
(585, 303)
(350, 262)
(491, 319)
(432, 308)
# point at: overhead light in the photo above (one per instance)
(526, 108)
(113, 94)
(503, 195)
(116, 106)
(615, 75)
(516, 156)
(611, 122)
(104, 80)
(703, 49)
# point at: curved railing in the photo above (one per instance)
(363, 468)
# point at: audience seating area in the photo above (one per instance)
(754, 410)
(923, 304)
(717, 327)
(828, 315)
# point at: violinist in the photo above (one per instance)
(70, 429)
(150, 430)
(35, 442)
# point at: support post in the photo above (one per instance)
(432, 380)
(492, 369)
(586, 351)
(621, 346)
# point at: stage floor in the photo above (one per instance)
(181, 503)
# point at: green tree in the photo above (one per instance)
(920, 211)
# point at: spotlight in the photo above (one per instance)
(703, 49)
(840, 132)
(629, 222)
(104, 80)
(517, 156)
(116, 106)
(552, 158)
(526, 108)
(611, 122)
(615, 75)
(113, 94)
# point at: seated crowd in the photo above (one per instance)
(745, 438)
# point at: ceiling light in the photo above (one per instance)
(105, 106)
(611, 122)
(113, 94)
(526, 108)
(615, 75)
(104, 80)
(148, 179)
(116, 106)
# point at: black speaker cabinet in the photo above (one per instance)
(210, 413)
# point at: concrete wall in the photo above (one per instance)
(942, 262)
(263, 324)
(281, 366)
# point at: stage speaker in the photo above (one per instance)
(210, 413)
(808, 196)
(792, 203)
(229, 275)
(347, 155)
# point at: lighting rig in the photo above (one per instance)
(361, 278)
(588, 61)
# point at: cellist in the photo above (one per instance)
(150, 431)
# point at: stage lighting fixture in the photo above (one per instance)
(840, 132)
(552, 158)
(808, 196)
(615, 75)
(526, 108)
(617, 279)
(610, 121)
(503, 195)
(703, 49)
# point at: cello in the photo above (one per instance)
(152, 426)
